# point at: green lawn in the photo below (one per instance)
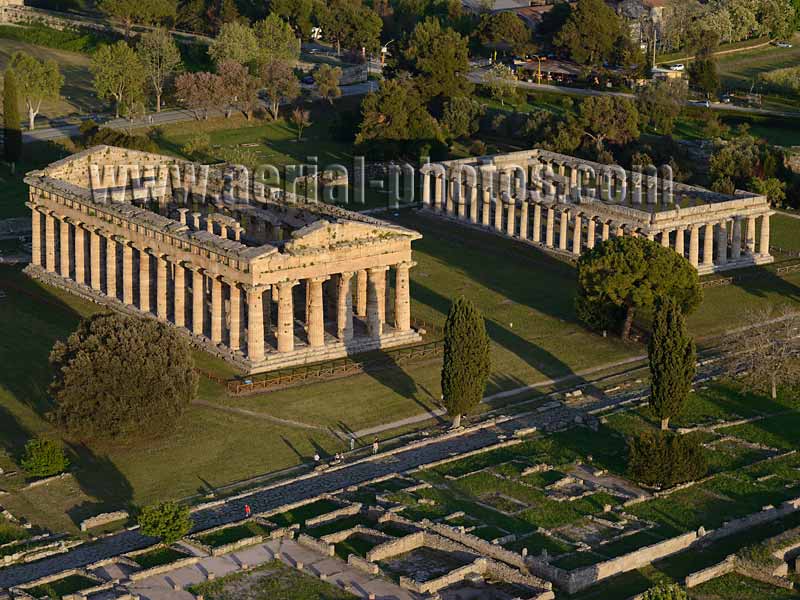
(228, 535)
(737, 587)
(157, 557)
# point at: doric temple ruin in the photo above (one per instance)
(258, 276)
(565, 204)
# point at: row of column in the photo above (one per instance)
(227, 312)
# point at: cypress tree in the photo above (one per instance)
(672, 357)
(12, 133)
(466, 364)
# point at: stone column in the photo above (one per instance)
(591, 234)
(563, 227)
(402, 298)
(216, 310)
(511, 216)
(577, 232)
(680, 246)
(144, 281)
(751, 235)
(708, 245)
(473, 202)
(665, 238)
(285, 316)
(449, 194)
(548, 235)
(763, 244)
(461, 201)
(36, 237)
(438, 189)
(376, 297)
(179, 296)
(344, 308)
(498, 213)
(487, 205)
(736, 242)
(127, 273)
(605, 232)
(50, 243)
(64, 249)
(94, 251)
(426, 189)
(361, 293)
(111, 267)
(80, 254)
(161, 288)
(198, 302)
(523, 220)
(537, 222)
(694, 245)
(315, 318)
(255, 324)
(722, 243)
(235, 317)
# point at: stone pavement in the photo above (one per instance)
(172, 585)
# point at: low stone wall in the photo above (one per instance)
(726, 566)
(449, 459)
(340, 536)
(103, 519)
(237, 545)
(759, 575)
(481, 546)
(396, 546)
(759, 518)
(363, 565)
(323, 548)
(434, 585)
(47, 548)
(345, 511)
(180, 563)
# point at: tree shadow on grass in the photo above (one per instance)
(100, 479)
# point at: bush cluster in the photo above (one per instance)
(43, 458)
(167, 521)
(665, 459)
(91, 134)
(71, 40)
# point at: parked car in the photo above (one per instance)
(308, 79)
(783, 44)
(677, 67)
(704, 103)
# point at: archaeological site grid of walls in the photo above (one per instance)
(565, 205)
(268, 283)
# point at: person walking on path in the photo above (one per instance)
(375, 446)
(352, 443)
(247, 511)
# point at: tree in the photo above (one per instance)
(296, 12)
(301, 119)
(665, 459)
(280, 84)
(501, 83)
(201, 92)
(623, 275)
(37, 81)
(466, 363)
(672, 357)
(660, 104)
(505, 30)
(350, 24)
(240, 89)
(12, 133)
(95, 367)
(608, 118)
(703, 73)
(237, 42)
(777, 18)
(167, 521)
(276, 41)
(462, 116)
(159, 55)
(771, 187)
(44, 457)
(327, 80)
(118, 75)
(441, 58)
(767, 350)
(590, 32)
(665, 591)
(396, 119)
(144, 12)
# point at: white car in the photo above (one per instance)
(678, 67)
(783, 44)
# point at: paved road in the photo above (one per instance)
(481, 76)
(62, 130)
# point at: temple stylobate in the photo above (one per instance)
(566, 205)
(259, 277)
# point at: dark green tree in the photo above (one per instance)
(608, 118)
(703, 74)
(12, 131)
(440, 57)
(665, 459)
(350, 24)
(466, 364)
(625, 274)
(672, 356)
(43, 458)
(167, 521)
(505, 31)
(119, 376)
(590, 33)
(660, 103)
(462, 116)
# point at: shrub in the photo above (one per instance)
(117, 376)
(44, 458)
(197, 146)
(73, 40)
(785, 80)
(664, 459)
(665, 591)
(167, 521)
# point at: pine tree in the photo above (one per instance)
(466, 365)
(672, 361)
(12, 133)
